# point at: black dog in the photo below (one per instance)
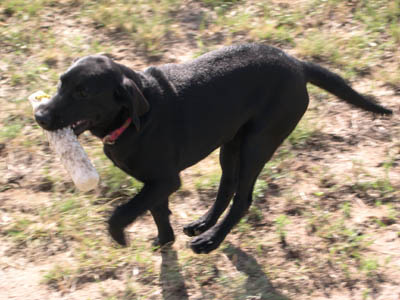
(245, 99)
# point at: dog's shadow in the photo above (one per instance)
(257, 283)
(172, 282)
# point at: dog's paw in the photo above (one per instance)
(160, 243)
(196, 228)
(205, 243)
(118, 235)
(162, 247)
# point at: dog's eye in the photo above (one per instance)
(83, 93)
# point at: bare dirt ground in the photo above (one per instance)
(337, 173)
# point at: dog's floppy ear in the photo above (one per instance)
(133, 99)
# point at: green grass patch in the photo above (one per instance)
(23, 8)
(148, 23)
(259, 189)
(381, 185)
(208, 181)
(57, 276)
(304, 130)
(9, 132)
(18, 230)
(219, 3)
(281, 222)
(115, 180)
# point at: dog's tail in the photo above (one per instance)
(336, 85)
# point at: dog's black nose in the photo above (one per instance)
(43, 118)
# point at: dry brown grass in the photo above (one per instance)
(325, 222)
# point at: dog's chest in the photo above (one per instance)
(121, 160)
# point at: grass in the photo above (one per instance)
(208, 181)
(147, 23)
(259, 189)
(116, 181)
(304, 131)
(347, 245)
(10, 131)
(360, 39)
(280, 224)
(366, 185)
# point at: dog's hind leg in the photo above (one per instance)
(253, 155)
(261, 137)
(229, 160)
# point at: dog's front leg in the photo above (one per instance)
(160, 215)
(153, 195)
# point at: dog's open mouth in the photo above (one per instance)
(80, 126)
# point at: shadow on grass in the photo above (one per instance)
(172, 282)
(257, 283)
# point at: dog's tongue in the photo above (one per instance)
(80, 127)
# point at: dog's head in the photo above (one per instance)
(94, 94)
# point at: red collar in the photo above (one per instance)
(113, 136)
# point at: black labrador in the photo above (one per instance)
(245, 99)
